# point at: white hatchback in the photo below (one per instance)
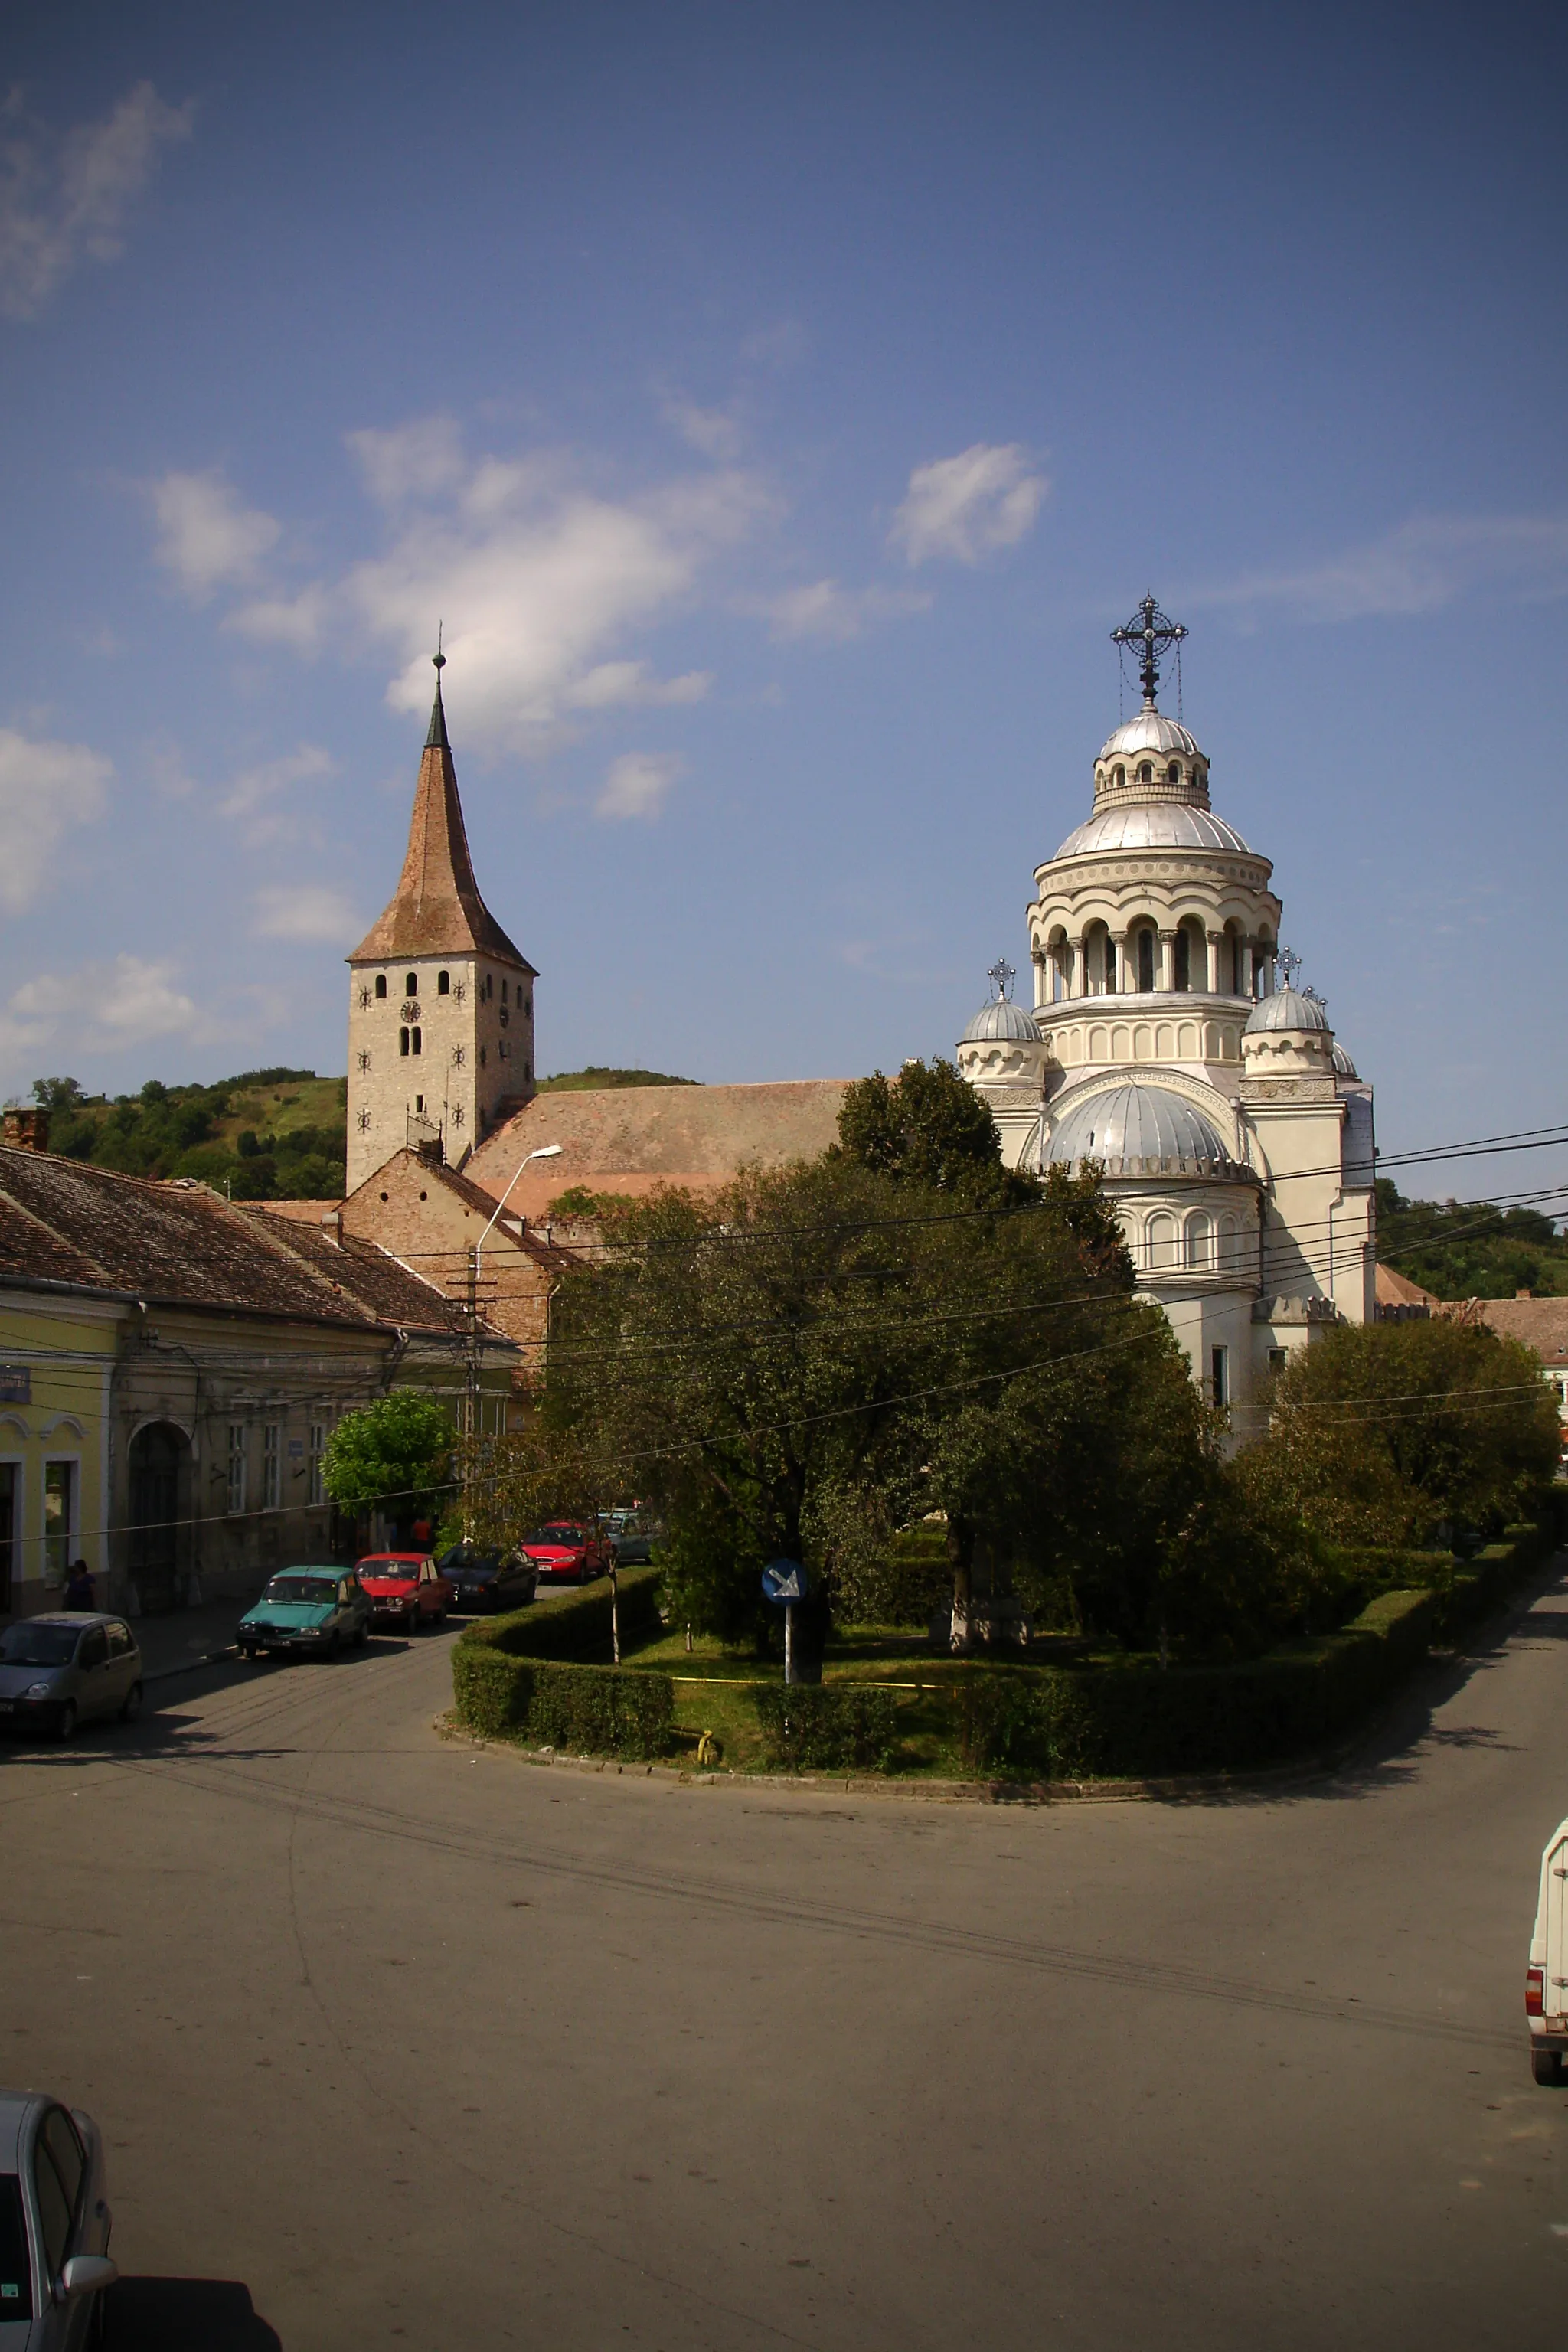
(54, 2225)
(1546, 1979)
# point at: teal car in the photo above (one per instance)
(306, 1608)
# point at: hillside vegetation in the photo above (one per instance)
(266, 1134)
(1471, 1249)
(595, 1076)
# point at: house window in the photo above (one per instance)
(1278, 1358)
(271, 1468)
(1219, 1378)
(443, 984)
(236, 1466)
(411, 984)
(381, 984)
(317, 1448)
(402, 1041)
(60, 1520)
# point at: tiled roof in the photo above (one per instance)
(437, 908)
(1540, 1323)
(1398, 1290)
(180, 1244)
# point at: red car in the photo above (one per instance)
(566, 1550)
(404, 1587)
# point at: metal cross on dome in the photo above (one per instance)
(1002, 976)
(1153, 631)
(1290, 965)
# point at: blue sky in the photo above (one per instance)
(779, 405)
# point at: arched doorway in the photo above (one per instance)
(159, 1504)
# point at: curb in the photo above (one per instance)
(190, 1666)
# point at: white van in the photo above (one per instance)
(1546, 1979)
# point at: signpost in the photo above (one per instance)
(785, 1584)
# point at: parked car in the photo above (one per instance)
(488, 1580)
(633, 1537)
(404, 1588)
(54, 2224)
(1546, 1977)
(305, 1609)
(567, 1551)
(59, 1670)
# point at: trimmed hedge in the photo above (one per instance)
(824, 1727)
(522, 1675)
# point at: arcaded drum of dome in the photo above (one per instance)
(1149, 732)
(1140, 1130)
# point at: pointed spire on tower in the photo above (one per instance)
(437, 908)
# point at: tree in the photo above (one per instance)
(56, 1094)
(393, 1454)
(928, 1126)
(1471, 1249)
(1381, 1433)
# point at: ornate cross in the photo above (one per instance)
(1000, 976)
(1153, 631)
(1290, 965)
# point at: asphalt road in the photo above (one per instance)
(398, 2043)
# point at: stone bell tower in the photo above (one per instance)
(440, 1002)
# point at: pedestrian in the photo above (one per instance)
(78, 1590)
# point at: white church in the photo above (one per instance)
(1168, 1045)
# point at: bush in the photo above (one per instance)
(824, 1727)
(575, 1627)
(905, 1585)
(588, 1710)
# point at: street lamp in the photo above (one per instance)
(544, 1152)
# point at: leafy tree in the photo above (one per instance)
(393, 1454)
(929, 1127)
(1381, 1432)
(56, 1094)
(1471, 1249)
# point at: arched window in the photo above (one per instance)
(402, 1041)
(381, 983)
(1229, 1251)
(1200, 1241)
(1173, 773)
(443, 984)
(416, 1045)
(1146, 771)
(1145, 960)
(411, 984)
(1162, 1242)
(1118, 777)
(1182, 958)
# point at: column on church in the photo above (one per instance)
(1167, 975)
(1217, 942)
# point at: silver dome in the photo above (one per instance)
(1149, 732)
(1140, 1130)
(1002, 1019)
(1152, 824)
(1343, 1065)
(1286, 1009)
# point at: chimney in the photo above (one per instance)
(26, 1130)
(332, 1224)
(1518, 1294)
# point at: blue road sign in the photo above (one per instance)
(784, 1581)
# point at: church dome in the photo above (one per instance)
(999, 1020)
(1140, 1130)
(1152, 824)
(1149, 732)
(1286, 1009)
(1344, 1065)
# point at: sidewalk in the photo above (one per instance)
(187, 1638)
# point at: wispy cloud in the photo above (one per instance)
(712, 432)
(1417, 567)
(305, 910)
(207, 538)
(827, 609)
(97, 1007)
(66, 196)
(254, 798)
(638, 783)
(968, 507)
(46, 789)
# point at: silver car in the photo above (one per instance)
(57, 1671)
(54, 2225)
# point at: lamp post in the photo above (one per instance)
(544, 1151)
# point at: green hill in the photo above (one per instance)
(266, 1134)
(594, 1077)
(1471, 1249)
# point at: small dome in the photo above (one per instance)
(1152, 824)
(1002, 1019)
(1343, 1065)
(1149, 732)
(1140, 1130)
(1286, 1009)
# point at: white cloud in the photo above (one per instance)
(969, 506)
(298, 622)
(828, 609)
(98, 1007)
(61, 198)
(711, 432)
(45, 790)
(305, 910)
(253, 795)
(631, 683)
(205, 538)
(1417, 567)
(419, 460)
(636, 785)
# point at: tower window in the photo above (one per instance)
(381, 983)
(1146, 772)
(443, 984)
(503, 992)
(411, 984)
(1173, 773)
(1183, 946)
(416, 1041)
(1118, 777)
(1145, 960)
(419, 1106)
(402, 1041)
